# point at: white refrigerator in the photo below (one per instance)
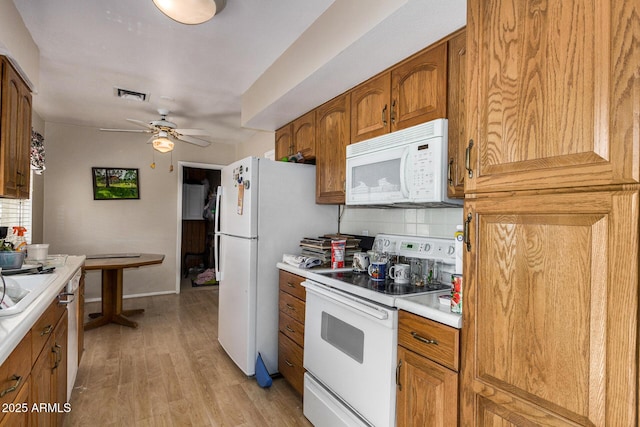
(263, 209)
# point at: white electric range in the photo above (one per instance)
(351, 328)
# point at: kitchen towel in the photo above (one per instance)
(301, 261)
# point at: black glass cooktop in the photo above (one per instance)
(388, 287)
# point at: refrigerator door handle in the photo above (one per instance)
(216, 235)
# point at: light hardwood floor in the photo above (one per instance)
(171, 371)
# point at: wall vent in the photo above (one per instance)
(130, 95)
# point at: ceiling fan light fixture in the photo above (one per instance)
(190, 12)
(162, 144)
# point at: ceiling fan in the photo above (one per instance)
(164, 132)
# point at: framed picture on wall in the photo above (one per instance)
(115, 183)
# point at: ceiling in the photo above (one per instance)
(201, 73)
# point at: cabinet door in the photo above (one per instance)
(10, 132)
(304, 135)
(41, 392)
(332, 138)
(419, 88)
(284, 142)
(427, 393)
(550, 310)
(370, 109)
(456, 90)
(553, 93)
(17, 414)
(59, 371)
(23, 149)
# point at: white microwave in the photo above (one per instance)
(401, 169)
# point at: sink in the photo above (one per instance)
(33, 284)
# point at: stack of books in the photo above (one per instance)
(320, 247)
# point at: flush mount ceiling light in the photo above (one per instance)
(162, 144)
(190, 12)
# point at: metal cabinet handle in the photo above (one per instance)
(14, 387)
(450, 172)
(467, 158)
(467, 238)
(56, 350)
(290, 307)
(66, 301)
(289, 329)
(46, 330)
(398, 375)
(423, 339)
(291, 285)
(393, 112)
(289, 364)
(384, 115)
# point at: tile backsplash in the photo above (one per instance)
(432, 222)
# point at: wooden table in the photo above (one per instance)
(112, 267)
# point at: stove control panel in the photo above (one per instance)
(417, 247)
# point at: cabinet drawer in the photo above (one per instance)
(291, 284)
(43, 328)
(290, 359)
(292, 328)
(18, 364)
(292, 306)
(433, 340)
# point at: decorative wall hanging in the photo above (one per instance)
(37, 152)
(115, 183)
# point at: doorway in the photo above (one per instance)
(197, 187)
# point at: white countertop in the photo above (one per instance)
(424, 305)
(14, 328)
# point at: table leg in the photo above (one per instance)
(112, 303)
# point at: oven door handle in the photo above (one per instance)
(347, 301)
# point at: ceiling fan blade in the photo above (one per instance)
(193, 140)
(127, 130)
(192, 132)
(140, 123)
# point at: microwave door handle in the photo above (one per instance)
(216, 235)
(403, 173)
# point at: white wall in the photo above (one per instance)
(257, 145)
(37, 195)
(74, 223)
(431, 222)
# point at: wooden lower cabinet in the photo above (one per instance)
(291, 327)
(49, 378)
(426, 374)
(16, 414)
(550, 315)
(427, 392)
(14, 378)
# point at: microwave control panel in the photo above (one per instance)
(424, 160)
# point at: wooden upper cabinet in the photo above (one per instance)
(456, 89)
(370, 113)
(412, 92)
(553, 94)
(15, 133)
(284, 141)
(304, 135)
(332, 138)
(419, 88)
(550, 312)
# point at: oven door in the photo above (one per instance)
(350, 347)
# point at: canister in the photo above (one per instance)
(456, 293)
